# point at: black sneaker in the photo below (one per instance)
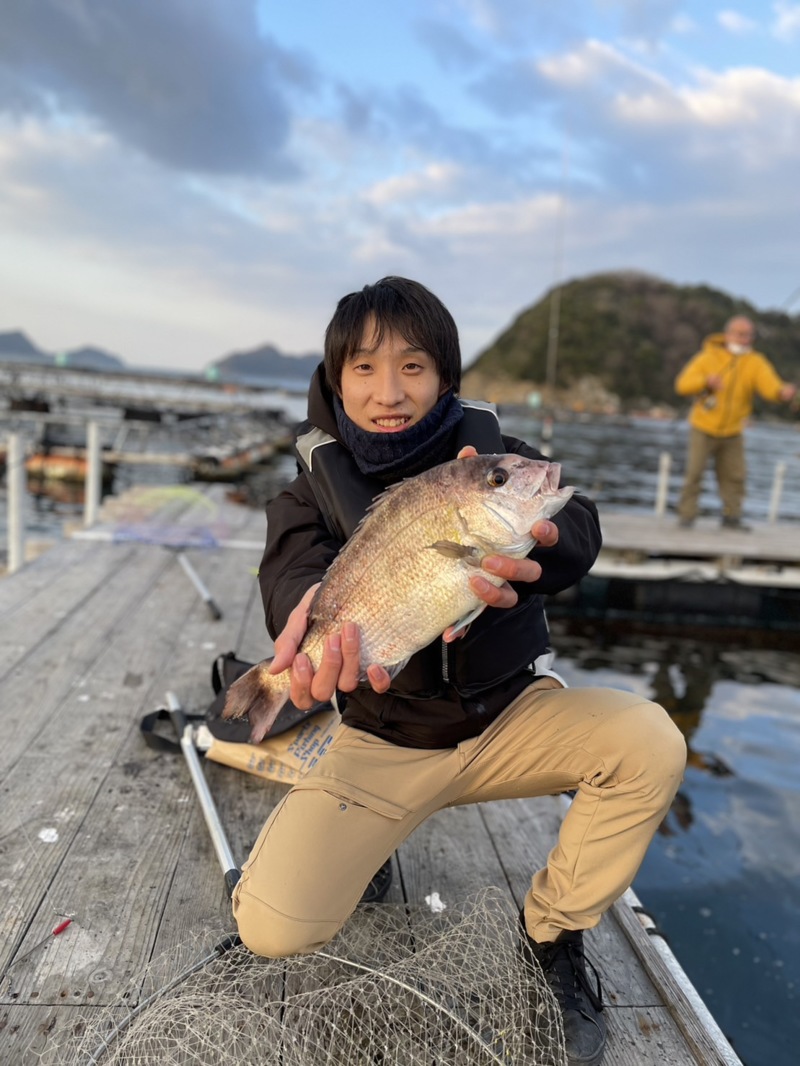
(379, 885)
(564, 966)
(735, 523)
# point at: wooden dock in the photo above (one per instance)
(98, 827)
(652, 572)
(641, 546)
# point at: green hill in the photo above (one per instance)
(629, 332)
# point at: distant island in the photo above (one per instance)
(16, 347)
(608, 342)
(266, 363)
(263, 365)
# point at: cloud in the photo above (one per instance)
(786, 26)
(736, 23)
(637, 132)
(451, 47)
(436, 179)
(192, 85)
(595, 61)
(646, 21)
(741, 104)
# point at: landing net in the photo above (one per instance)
(398, 987)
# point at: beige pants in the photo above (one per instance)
(330, 833)
(729, 468)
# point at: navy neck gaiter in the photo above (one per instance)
(391, 456)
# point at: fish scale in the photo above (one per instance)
(403, 576)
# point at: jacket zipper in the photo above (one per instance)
(445, 664)
(733, 367)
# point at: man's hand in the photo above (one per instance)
(339, 667)
(543, 532)
(787, 393)
(714, 382)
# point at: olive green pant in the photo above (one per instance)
(329, 834)
(729, 468)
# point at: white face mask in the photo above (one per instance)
(738, 349)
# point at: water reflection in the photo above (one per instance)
(722, 877)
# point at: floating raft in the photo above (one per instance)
(650, 571)
(98, 827)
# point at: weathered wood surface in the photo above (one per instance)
(661, 535)
(96, 825)
(640, 546)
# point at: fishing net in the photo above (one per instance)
(399, 986)
(175, 516)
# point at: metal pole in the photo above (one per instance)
(546, 436)
(664, 465)
(91, 507)
(205, 595)
(15, 464)
(777, 490)
(218, 838)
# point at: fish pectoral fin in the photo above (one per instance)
(451, 549)
(463, 624)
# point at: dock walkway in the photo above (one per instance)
(97, 826)
(642, 546)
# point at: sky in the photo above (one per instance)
(181, 179)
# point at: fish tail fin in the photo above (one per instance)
(259, 695)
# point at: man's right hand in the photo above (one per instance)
(339, 668)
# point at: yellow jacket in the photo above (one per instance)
(724, 413)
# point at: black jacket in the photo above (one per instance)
(446, 693)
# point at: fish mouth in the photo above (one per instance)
(390, 423)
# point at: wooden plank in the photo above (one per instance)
(60, 586)
(114, 879)
(105, 832)
(70, 766)
(435, 859)
(28, 582)
(654, 535)
(41, 816)
(33, 1033)
(645, 1036)
(42, 691)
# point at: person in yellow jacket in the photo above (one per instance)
(723, 378)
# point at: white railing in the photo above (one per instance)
(662, 487)
(17, 493)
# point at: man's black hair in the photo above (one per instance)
(401, 306)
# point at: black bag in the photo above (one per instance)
(225, 670)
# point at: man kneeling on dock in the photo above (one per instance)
(470, 717)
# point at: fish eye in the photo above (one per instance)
(497, 477)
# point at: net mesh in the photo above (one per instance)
(398, 986)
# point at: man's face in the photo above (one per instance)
(390, 386)
(740, 334)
